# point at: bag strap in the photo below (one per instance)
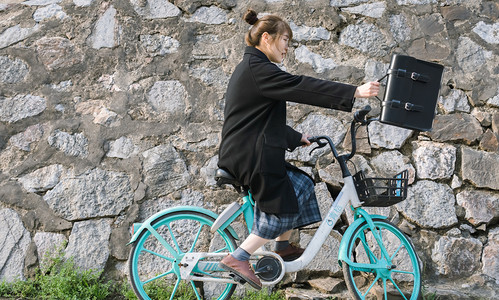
(407, 74)
(405, 105)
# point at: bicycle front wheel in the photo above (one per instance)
(386, 270)
(154, 270)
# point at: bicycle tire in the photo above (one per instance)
(400, 279)
(150, 262)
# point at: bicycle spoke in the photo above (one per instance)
(403, 272)
(175, 288)
(384, 288)
(396, 251)
(158, 277)
(371, 286)
(368, 250)
(221, 249)
(196, 238)
(173, 238)
(396, 286)
(195, 290)
(158, 255)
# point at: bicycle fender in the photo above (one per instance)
(342, 252)
(151, 219)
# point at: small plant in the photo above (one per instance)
(59, 278)
(264, 294)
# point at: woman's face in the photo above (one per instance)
(277, 48)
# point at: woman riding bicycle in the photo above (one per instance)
(255, 137)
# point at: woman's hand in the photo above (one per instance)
(367, 90)
(305, 141)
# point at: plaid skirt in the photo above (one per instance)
(270, 226)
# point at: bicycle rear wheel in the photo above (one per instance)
(398, 275)
(154, 271)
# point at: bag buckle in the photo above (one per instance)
(415, 76)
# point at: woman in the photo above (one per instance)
(255, 137)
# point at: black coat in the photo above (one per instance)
(255, 135)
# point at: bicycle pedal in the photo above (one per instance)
(237, 278)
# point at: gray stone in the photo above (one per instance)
(434, 160)
(455, 13)
(432, 24)
(50, 11)
(481, 206)
(365, 37)
(105, 30)
(168, 97)
(488, 32)
(62, 86)
(429, 49)
(186, 197)
(429, 204)
(456, 182)
(316, 124)
(207, 172)
(158, 44)
(102, 115)
(480, 168)
(373, 10)
(15, 240)
(489, 141)
(211, 77)
(328, 284)
(390, 163)
(83, 3)
(455, 101)
(95, 193)
(122, 148)
(306, 33)
(12, 70)
(25, 139)
(89, 244)
(470, 56)
(400, 29)
(209, 15)
(341, 3)
(375, 70)
(155, 9)
(490, 256)
(209, 46)
(21, 107)
(16, 34)
(40, 2)
(387, 136)
(494, 101)
(48, 245)
(456, 127)
(71, 144)
(43, 179)
(164, 170)
(415, 2)
(56, 53)
(318, 63)
(457, 257)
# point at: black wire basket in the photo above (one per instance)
(381, 192)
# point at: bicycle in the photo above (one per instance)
(186, 243)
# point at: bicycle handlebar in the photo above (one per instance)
(358, 117)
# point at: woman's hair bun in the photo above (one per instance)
(250, 17)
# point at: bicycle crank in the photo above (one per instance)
(268, 268)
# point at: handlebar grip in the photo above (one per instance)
(360, 115)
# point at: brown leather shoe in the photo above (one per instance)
(290, 253)
(242, 269)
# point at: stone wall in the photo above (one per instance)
(112, 110)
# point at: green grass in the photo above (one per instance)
(60, 278)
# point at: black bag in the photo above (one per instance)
(411, 93)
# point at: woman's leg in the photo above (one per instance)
(252, 243)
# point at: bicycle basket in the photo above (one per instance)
(381, 192)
